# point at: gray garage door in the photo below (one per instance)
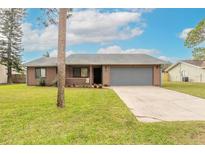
(128, 76)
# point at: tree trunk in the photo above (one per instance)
(61, 57)
(9, 63)
(9, 75)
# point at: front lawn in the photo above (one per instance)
(195, 89)
(28, 115)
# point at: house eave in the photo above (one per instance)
(93, 65)
(174, 65)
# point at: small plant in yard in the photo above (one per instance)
(95, 86)
(42, 82)
(100, 86)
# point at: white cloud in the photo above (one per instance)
(117, 49)
(39, 40)
(97, 27)
(165, 58)
(87, 26)
(170, 59)
(142, 10)
(54, 53)
(153, 52)
(184, 33)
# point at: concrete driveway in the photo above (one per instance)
(153, 104)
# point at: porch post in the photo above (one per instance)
(91, 75)
(66, 74)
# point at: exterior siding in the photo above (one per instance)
(174, 73)
(3, 74)
(195, 74)
(106, 75)
(91, 74)
(76, 81)
(51, 75)
(31, 80)
(70, 80)
(156, 75)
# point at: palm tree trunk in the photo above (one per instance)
(61, 57)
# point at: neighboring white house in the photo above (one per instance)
(193, 70)
(3, 74)
(16, 76)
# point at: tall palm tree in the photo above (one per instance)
(61, 56)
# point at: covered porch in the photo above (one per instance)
(82, 75)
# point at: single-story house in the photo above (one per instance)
(105, 69)
(192, 70)
(3, 74)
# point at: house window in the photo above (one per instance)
(76, 72)
(84, 72)
(80, 72)
(40, 73)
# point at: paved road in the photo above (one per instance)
(153, 104)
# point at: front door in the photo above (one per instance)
(97, 72)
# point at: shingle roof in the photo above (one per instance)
(99, 59)
(44, 61)
(200, 63)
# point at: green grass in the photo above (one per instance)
(28, 115)
(195, 89)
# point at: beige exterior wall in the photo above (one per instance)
(3, 74)
(194, 73)
(51, 75)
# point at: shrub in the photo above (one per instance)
(54, 83)
(100, 86)
(42, 82)
(95, 86)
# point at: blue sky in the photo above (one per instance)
(158, 32)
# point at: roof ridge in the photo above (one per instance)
(193, 60)
(99, 59)
(107, 54)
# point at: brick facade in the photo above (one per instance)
(51, 76)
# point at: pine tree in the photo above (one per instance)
(11, 39)
(46, 54)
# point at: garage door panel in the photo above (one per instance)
(128, 76)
